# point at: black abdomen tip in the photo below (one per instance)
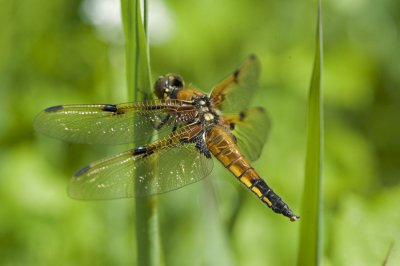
(288, 213)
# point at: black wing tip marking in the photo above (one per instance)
(112, 108)
(236, 73)
(82, 171)
(260, 109)
(53, 108)
(252, 57)
(242, 116)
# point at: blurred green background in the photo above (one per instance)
(62, 51)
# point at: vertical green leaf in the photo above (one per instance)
(310, 231)
(136, 50)
(139, 87)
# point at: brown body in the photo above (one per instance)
(222, 145)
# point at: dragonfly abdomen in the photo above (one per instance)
(226, 151)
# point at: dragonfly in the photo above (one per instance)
(188, 127)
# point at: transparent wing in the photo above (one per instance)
(113, 124)
(234, 93)
(251, 128)
(142, 171)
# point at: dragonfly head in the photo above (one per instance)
(167, 87)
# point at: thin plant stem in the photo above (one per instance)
(139, 86)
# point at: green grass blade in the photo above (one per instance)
(137, 53)
(311, 216)
(139, 87)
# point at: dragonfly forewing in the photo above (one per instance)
(113, 124)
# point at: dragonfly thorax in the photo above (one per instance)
(208, 116)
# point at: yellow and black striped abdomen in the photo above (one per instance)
(223, 147)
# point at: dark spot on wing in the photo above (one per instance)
(112, 108)
(242, 115)
(235, 75)
(82, 171)
(142, 150)
(261, 110)
(252, 57)
(139, 150)
(54, 108)
(232, 126)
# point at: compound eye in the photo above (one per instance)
(176, 82)
(168, 86)
(161, 87)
